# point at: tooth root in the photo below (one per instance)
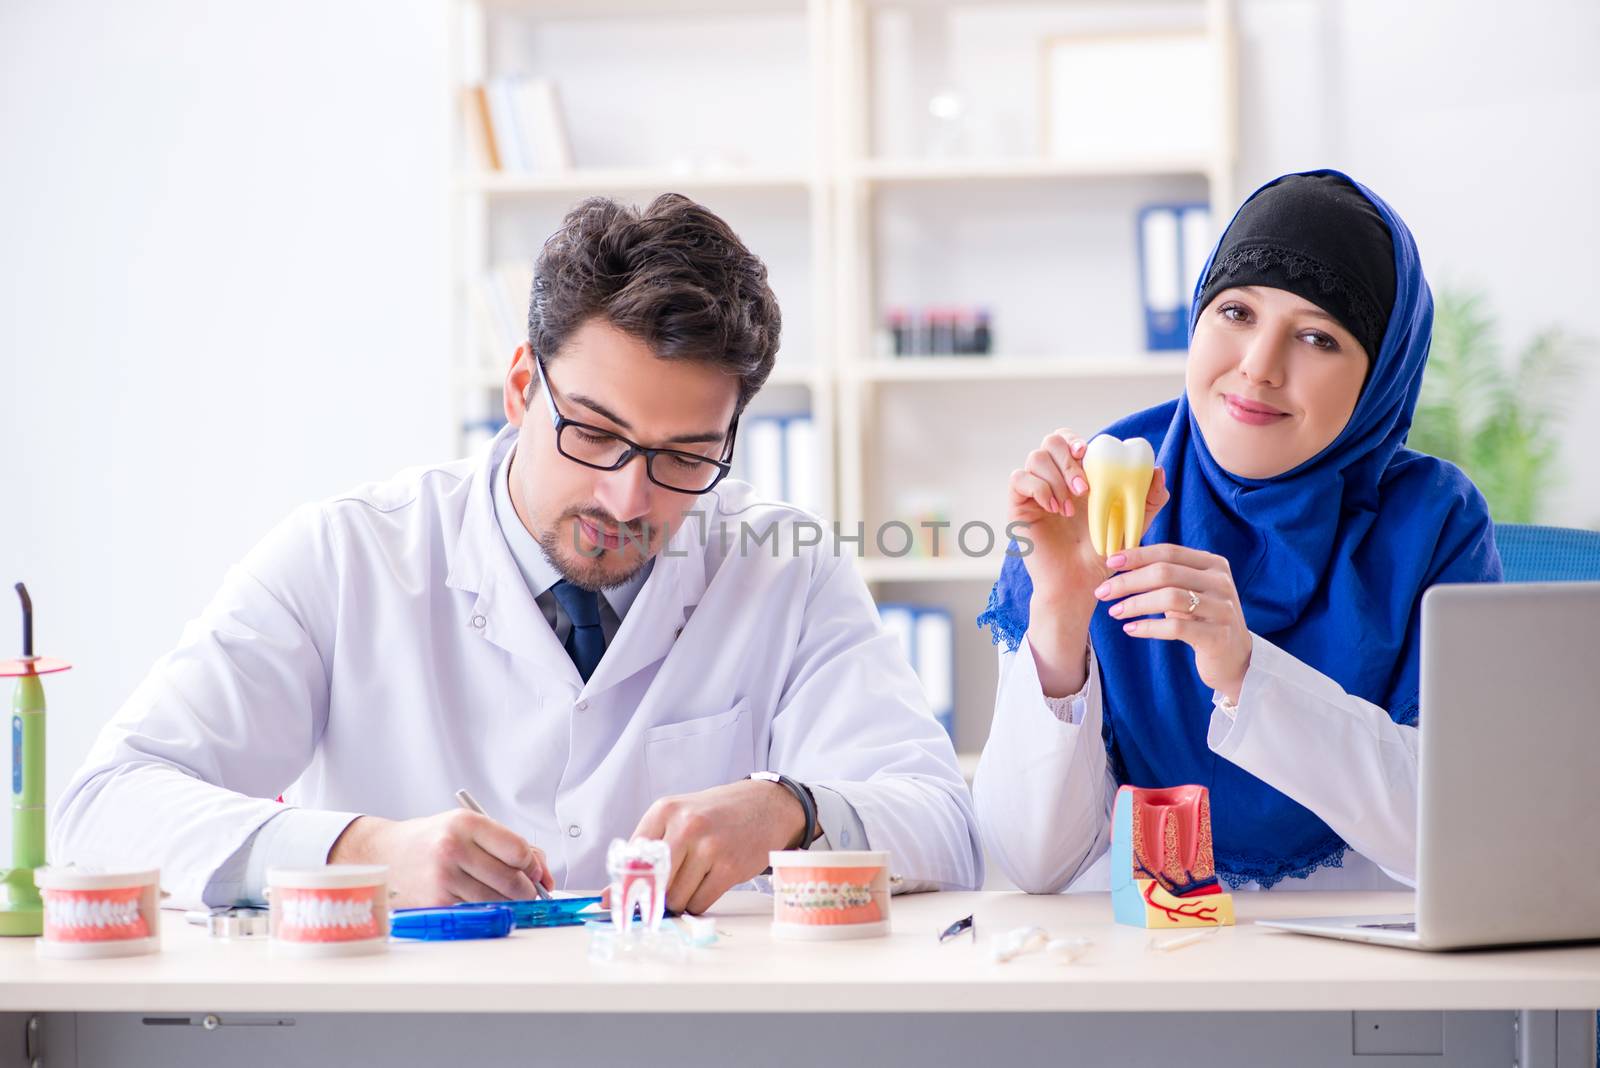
(1099, 514)
(1133, 514)
(1115, 522)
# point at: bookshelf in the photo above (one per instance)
(637, 124)
(579, 183)
(861, 203)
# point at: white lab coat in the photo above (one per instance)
(379, 651)
(1044, 789)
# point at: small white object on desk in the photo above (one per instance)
(1167, 945)
(1017, 941)
(1067, 950)
(699, 931)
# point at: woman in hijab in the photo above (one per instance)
(1262, 640)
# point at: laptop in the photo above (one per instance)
(1509, 792)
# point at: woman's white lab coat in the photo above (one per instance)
(1044, 788)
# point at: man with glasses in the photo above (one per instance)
(588, 627)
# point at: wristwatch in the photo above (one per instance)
(802, 794)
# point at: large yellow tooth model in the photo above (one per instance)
(1119, 483)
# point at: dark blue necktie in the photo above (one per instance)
(587, 642)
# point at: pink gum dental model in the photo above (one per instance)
(99, 914)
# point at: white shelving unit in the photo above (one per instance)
(882, 221)
(501, 215)
(982, 415)
(644, 179)
(907, 171)
(1013, 369)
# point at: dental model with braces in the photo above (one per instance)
(825, 895)
(833, 895)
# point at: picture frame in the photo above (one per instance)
(1129, 96)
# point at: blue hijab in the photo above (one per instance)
(1331, 560)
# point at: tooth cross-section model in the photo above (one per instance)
(1119, 482)
(1162, 871)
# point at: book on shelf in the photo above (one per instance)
(516, 125)
(777, 455)
(927, 637)
(477, 433)
(500, 311)
(482, 152)
(1174, 240)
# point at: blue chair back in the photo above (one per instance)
(1548, 554)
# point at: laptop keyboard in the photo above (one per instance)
(1408, 925)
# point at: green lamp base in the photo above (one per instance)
(21, 910)
(22, 924)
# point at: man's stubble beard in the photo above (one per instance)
(584, 570)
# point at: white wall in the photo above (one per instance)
(1477, 121)
(223, 260)
(223, 253)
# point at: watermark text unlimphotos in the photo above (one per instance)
(893, 539)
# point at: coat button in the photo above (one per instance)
(583, 706)
(478, 622)
(574, 831)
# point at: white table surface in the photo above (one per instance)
(1245, 968)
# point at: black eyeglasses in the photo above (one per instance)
(592, 446)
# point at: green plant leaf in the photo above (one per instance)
(1498, 423)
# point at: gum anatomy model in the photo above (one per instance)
(1119, 484)
(1162, 870)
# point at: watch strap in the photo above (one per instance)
(802, 794)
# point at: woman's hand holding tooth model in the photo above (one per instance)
(1050, 493)
(1195, 601)
(1191, 592)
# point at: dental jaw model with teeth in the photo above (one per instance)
(1119, 484)
(337, 911)
(1163, 873)
(830, 896)
(99, 914)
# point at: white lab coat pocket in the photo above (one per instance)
(698, 754)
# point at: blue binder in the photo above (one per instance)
(928, 638)
(1173, 240)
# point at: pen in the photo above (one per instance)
(466, 800)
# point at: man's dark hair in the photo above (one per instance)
(674, 275)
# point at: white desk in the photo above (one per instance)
(946, 1001)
